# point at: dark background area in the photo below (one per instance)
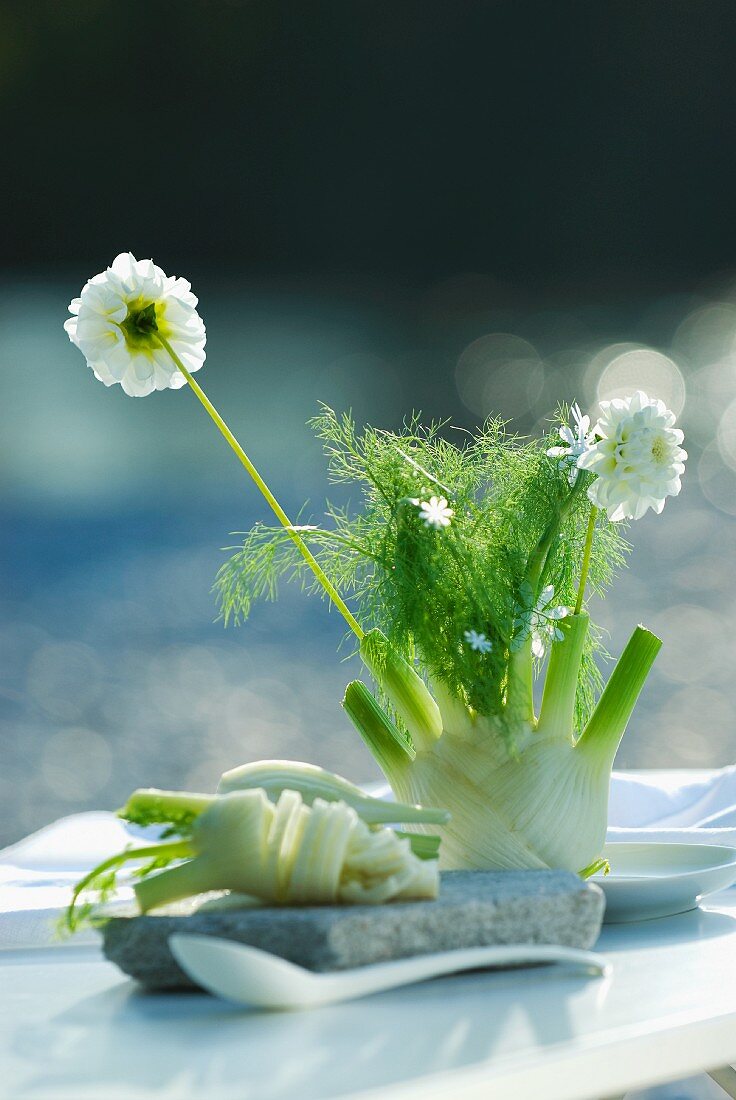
(457, 207)
(555, 146)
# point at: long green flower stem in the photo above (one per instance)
(538, 559)
(585, 567)
(264, 489)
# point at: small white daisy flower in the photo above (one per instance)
(578, 442)
(541, 622)
(435, 512)
(115, 320)
(544, 620)
(478, 642)
(637, 457)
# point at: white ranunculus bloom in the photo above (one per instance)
(115, 320)
(637, 457)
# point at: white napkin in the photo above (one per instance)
(676, 806)
(37, 875)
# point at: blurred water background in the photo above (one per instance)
(113, 670)
(458, 208)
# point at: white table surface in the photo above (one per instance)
(73, 1028)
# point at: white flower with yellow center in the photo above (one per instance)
(120, 317)
(138, 326)
(637, 457)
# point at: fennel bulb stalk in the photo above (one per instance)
(534, 795)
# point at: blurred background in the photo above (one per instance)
(458, 207)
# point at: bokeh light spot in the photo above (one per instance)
(706, 336)
(694, 651)
(726, 435)
(598, 362)
(643, 369)
(76, 764)
(717, 480)
(500, 373)
(64, 678)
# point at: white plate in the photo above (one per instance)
(658, 880)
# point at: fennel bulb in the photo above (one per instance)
(537, 800)
(469, 564)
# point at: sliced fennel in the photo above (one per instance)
(284, 853)
(275, 776)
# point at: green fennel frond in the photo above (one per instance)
(424, 587)
(101, 883)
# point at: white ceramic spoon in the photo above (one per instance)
(250, 976)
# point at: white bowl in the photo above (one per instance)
(657, 880)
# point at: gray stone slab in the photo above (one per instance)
(474, 908)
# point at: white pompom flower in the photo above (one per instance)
(118, 318)
(637, 457)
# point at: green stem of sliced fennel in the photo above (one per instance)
(177, 809)
(556, 718)
(405, 689)
(602, 735)
(423, 845)
(195, 876)
(388, 747)
(264, 489)
(585, 567)
(274, 777)
(177, 849)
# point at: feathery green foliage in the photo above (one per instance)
(518, 526)
(101, 883)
